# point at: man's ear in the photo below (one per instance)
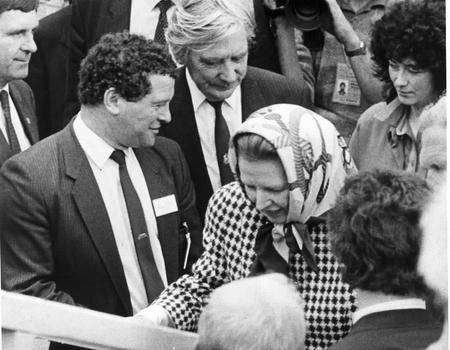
(112, 100)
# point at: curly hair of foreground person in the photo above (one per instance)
(414, 30)
(122, 61)
(376, 232)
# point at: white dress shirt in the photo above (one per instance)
(205, 117)
(24, 143)
(144, 17)
(410, 303)
(106, 172)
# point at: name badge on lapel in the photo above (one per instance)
(165, 205)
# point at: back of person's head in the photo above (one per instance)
(263, 312)
(433, 142)
(376, 232)
(122, 61)
(20, 5)
(412, 29)
(196, 25)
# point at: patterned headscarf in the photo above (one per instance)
(314, 156)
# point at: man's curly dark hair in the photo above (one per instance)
(376, 234)
(411, 29)
(122, 61)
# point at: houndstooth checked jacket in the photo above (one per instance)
(231, 226)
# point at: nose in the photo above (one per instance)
(28, 44)
(262, 199)
(228, 72)
(165, 116)
(401, 78)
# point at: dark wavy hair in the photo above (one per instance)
(20, 5)
(376, 234)
(411, 29)
(122, 61)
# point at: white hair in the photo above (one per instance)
(264, 312)
(198, 24)
(433, 254)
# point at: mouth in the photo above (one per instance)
(155, 130)
(272, 212)
(24, 60)
(404, 93)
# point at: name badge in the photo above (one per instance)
(165, 205)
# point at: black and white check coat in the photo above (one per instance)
(229, 237)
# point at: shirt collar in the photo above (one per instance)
(146, 4)
(93, 145)
(403, 126)
(410, 303)
(153, 3)
(5, 88)
(198, 97)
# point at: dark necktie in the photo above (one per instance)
(152, 280)
(163, 6)
(12, 137)
(222, 139)
(267, 257)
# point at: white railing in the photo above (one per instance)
(26, 319)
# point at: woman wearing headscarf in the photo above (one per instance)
(408, 48)
(290, 164)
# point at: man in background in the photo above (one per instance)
(216, 90)
(48, 70)
(18, 126)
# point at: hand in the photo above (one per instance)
(340, 27)
(274, 4)
(142, 320)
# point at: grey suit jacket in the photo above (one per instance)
(23, 99)
(259, 88)
(57, 242)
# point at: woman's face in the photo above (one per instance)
(414, 86)
(266, 185)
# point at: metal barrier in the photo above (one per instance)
(27, 319)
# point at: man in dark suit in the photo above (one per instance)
(18, 127)
(102, 214)
(215, 71)
(376, 238)
(48, 70)
(93, 18)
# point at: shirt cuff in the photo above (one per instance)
(157, 314)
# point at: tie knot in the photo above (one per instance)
(164, 5)
(3, 96)
(217, 105)
(118, 156)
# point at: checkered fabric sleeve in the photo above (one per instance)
(329, 302)
(228, 255)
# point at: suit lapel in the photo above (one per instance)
(24, 110)
(89, 201)
(251, 96)
(185, 130)
(159, 185)
(5, 150)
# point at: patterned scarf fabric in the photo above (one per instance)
(315, 159)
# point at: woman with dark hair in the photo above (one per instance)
(408, 45)
(290, 164)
